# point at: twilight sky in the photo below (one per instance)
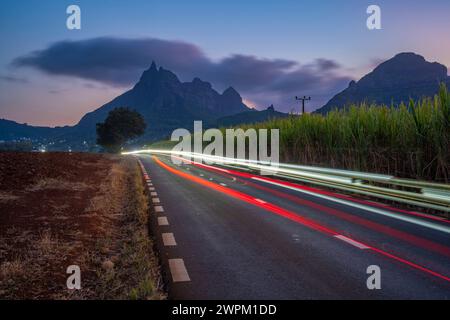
(268, 50)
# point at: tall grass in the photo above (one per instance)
(409, 141)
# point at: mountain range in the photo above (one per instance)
(166, 103)
(407, 75)
(162, 99)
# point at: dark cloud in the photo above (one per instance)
(248, 72)
(326, 64)
(56, 91)
(10, 78)
(110, 60)
(119, 62)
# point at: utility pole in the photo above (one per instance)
(303, 102)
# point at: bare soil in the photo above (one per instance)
(62, 209)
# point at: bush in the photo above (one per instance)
(121, 125)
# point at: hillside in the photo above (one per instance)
(11, 130)
(167, 104)
(405, 76)
(164, 101)
(248, 117)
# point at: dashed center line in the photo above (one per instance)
(352, 242)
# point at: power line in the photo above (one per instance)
(303, 102)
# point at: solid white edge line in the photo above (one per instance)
(363, 207)
(215, 168)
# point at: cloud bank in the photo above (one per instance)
(119, 62)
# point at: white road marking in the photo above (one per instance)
(150, 184)
(156, 200)
(259, 200)
(153, 194)
(159, 209)
(223, 184)
(352, 242)
(162, 221)
(363, 207)
(201, 174)
(215, 168)
(151, 188)
(169, 239)
(178, 270)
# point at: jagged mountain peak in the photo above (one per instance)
(166, 103)
(230, 91)
(153, 66)
(154, 77)
(199, 83)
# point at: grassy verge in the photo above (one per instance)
(126, 267)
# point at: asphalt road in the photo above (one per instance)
(230, 235)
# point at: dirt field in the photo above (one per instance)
(62, 209)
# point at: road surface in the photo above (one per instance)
(224, 234)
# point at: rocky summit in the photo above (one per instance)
(407, 75)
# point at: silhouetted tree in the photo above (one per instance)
(121, 125)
